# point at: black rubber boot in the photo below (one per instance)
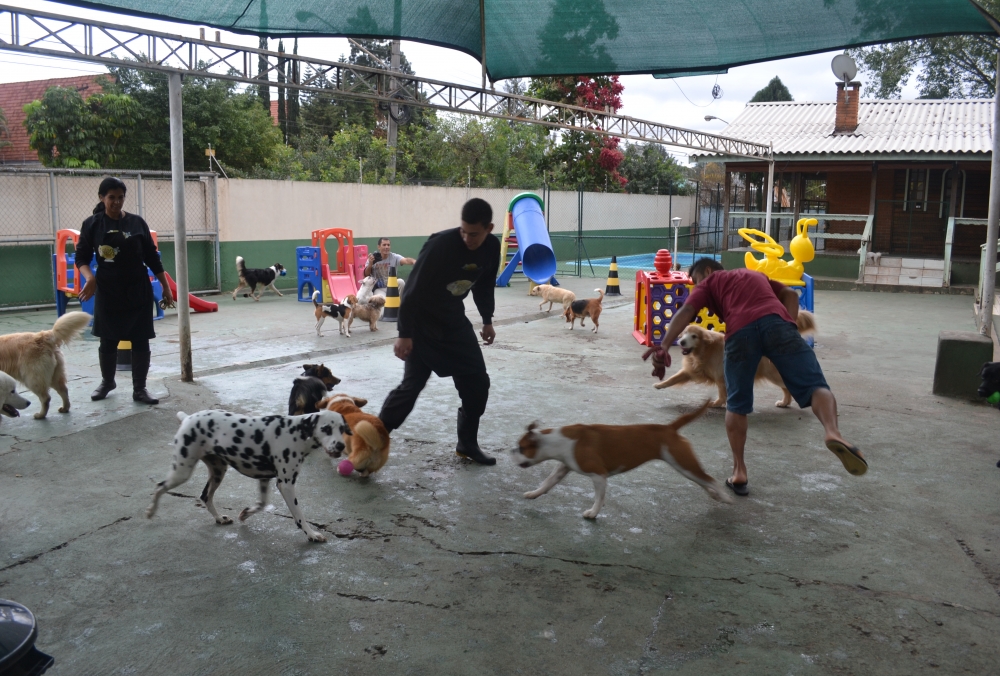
(140, 367)
(108, 363)
(468, 440)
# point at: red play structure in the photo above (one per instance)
(344, 279)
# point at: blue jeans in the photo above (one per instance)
(781, 342)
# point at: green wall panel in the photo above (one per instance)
(26, 275)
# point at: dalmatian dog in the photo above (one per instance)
(263, 448)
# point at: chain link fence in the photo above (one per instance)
(36, 203)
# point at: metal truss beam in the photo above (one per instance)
(109, 44)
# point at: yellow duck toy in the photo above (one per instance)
(788, 273)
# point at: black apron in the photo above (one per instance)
(123, 308)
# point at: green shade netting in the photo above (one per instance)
(577, 37)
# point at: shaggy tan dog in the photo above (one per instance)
(552, 294)
(35, 360)
(704, 355)
(370, 312)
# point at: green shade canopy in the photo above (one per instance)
(576, 37)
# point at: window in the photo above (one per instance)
(915, 195)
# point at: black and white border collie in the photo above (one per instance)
(251, 277)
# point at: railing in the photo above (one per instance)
(949, 240)
(982, 273)
(865, 237)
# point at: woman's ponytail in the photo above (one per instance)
(99, 208)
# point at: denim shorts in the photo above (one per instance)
(779, 341)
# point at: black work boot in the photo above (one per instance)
(468, 440)
(140, 367)
(108, 362)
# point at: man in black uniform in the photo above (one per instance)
(434, 333)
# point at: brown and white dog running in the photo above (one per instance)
(552, 294)
(601, 451)
(590, 307)
(339, 311)
(369, 312)
(35, 359)
(368, 449)
(704, 356)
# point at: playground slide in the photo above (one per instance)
(538, 260)
(197, 304)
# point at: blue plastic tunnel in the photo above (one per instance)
(538, 261)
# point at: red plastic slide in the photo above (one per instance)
(197, 304)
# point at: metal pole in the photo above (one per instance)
(482, 36)
(180, 227)
(993, 219)
(141, 196)
(54, 206)
(769, 196)
(215, 223)
(393, 128)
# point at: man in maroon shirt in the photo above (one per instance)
(760, 322)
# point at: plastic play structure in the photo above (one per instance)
(784, 272)
(314, 271)
(525, 242)
(658, 296)
(67, 283)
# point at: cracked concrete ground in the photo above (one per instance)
(435, 566)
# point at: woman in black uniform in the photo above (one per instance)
(124, 306)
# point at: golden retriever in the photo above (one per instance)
(704, 354)
(369, 444)
(35, 360)
(552, 294)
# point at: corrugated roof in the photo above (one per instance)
(922, 126)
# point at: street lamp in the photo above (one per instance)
(677, 226)
(709, 118)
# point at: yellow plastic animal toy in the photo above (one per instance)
(788, 273)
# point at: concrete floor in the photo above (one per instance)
(435, 566)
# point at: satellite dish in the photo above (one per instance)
(844, 67)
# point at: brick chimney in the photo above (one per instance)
(848, 97)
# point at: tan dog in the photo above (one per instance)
(600, 451)
(585, 308)
(370, 312)
(369, 445)
(552, 294)
(35, 360)
(704, 356)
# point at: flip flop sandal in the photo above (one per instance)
(853, 462)
(740, 489)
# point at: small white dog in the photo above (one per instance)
(553, 294)
(10, 401)
(367, 289)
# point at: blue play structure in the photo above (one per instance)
(308, 265)
(807, 301)
(525, 229)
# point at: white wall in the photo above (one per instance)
(254, 210)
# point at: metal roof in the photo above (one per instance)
(884, 127)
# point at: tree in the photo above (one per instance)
(4, 131)
(583, 159)
(215, 114)
(494, 153)
(957, 66)
(775, 90)
(650, 170)
(67, 131)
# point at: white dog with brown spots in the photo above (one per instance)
(601, 451)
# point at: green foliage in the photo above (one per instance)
(582, 158)
(775, 90)
(650, 170)
(67, 131)
(4, 130)
(235, 124)
(954, 67)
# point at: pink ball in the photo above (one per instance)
(345, 467)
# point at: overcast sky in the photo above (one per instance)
(682, 102)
